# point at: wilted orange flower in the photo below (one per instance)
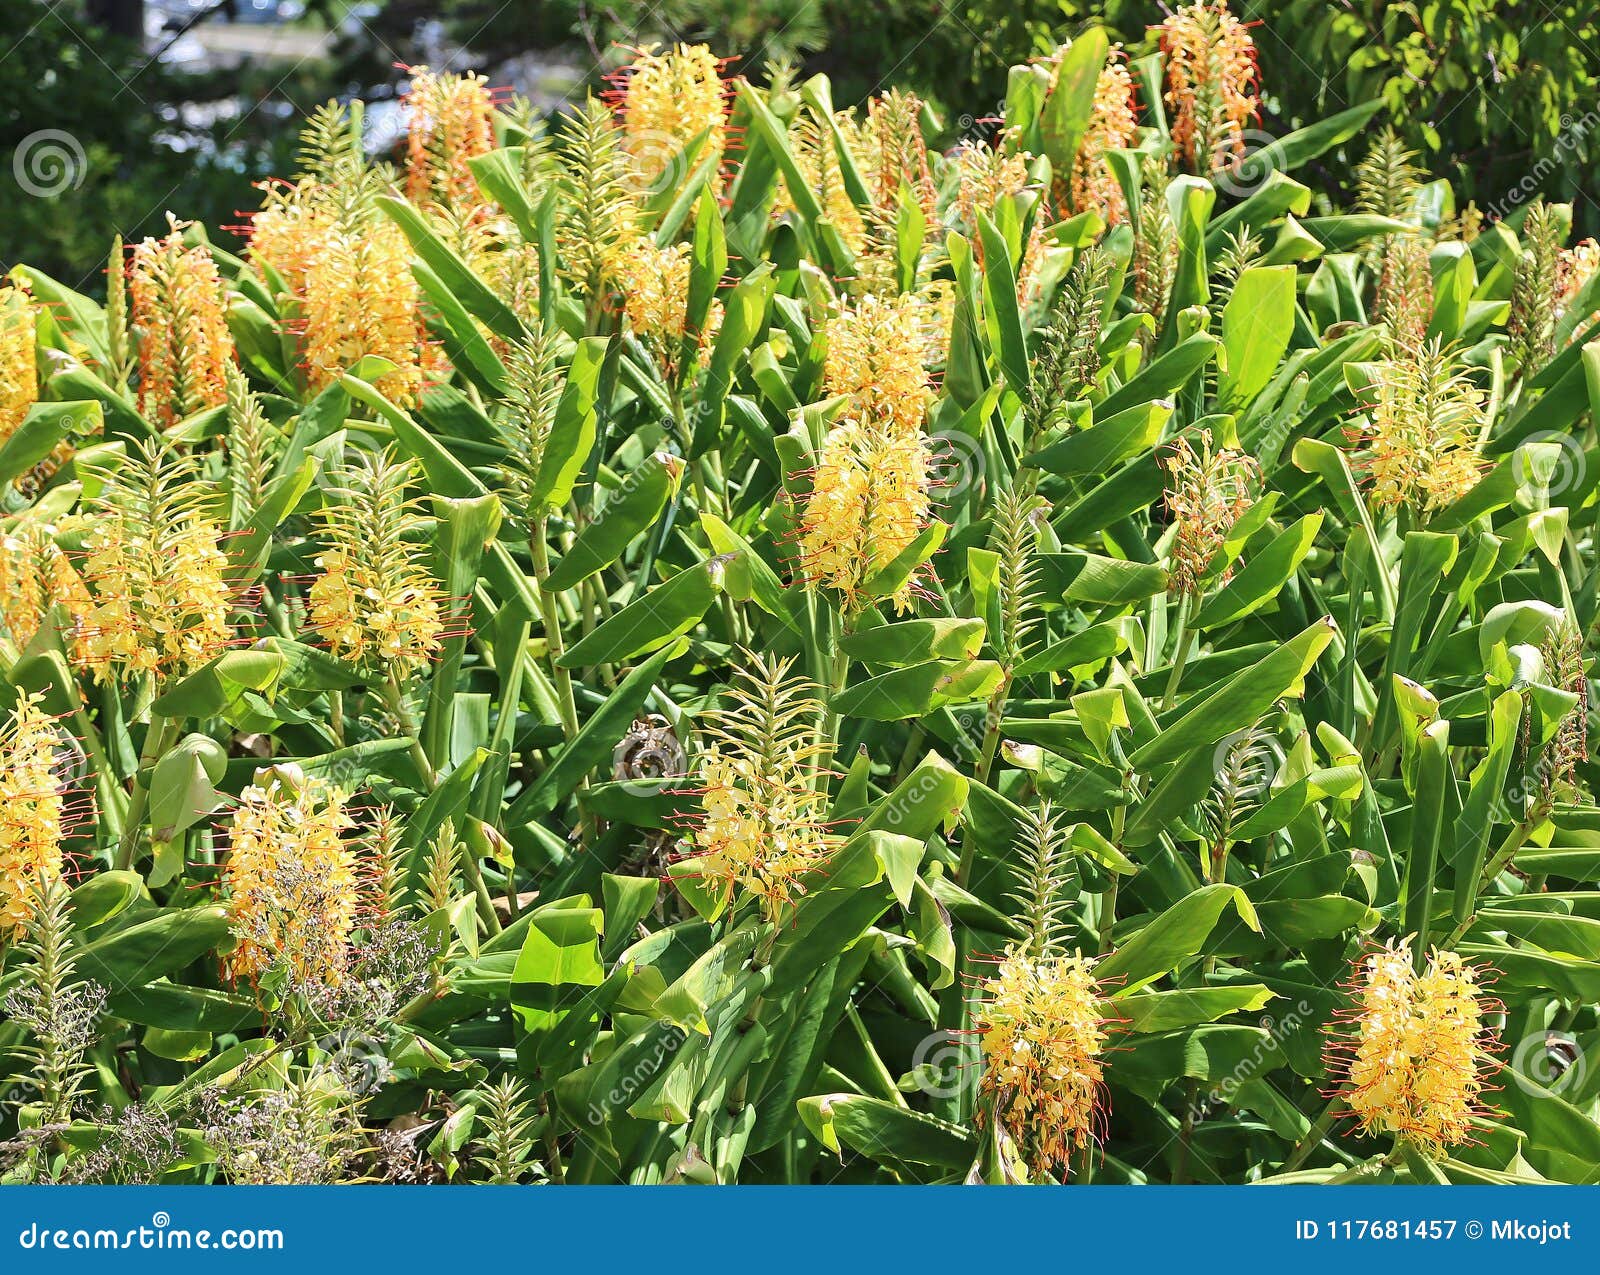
(1414, 1061)
(361, 298)
(19, 377)
(1207, 492)
(32, 812)
(374, 601)
(875, 353)
(1112, 126)
(1211, 83)
(177, 309)
(1042, 1036)
(1578, 265)
(452, 122)
(291, 880)
(665, 101)
(869, 500)
(36, 575)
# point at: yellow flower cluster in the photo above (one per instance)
(1420, 428)
(666, 100)
(19, 377)
(177, 308)
(160, 595)
(289, 232)
(361, 298)
(875, 355)
(374, 602)
(762, 830)
(292, 882)
(1042, 1037)
(32, 812)
(817, 157)
(36, 575)
(1414, 1066)
(1112, 126)
(1211, 83)
(869, 500)
(1207, 492)
(452, 122)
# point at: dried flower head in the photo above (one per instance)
(764, 824)
(1112, 125)
(179, 312)
(1211, 83)
(1208, 490)
(665, 101)
(875, 355)
(1042, 1037)
(34, 813)
(1419, 429)
(1414, 1061)
(869, 500)
(19, 377)
(156, 571)
(307, 1133)
(291, 880)
(35, 576)
(375, 602)
(452, 123)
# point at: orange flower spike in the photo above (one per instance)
(1112, 126)
(1042, 1040)
(1212, 84)
(178, 308)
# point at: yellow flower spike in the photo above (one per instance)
(36, 575)
(1211, 84)
(19, 377)
(1414, 1060)
(452, 123)
(361, 298)
(1112, 126)
(1207, 492)
(817, 157)
(374, 602)
(869, 500)
(292, 882)
(1418, 430)
(666, 100)
(1042, 1038)
(156, 572)
(875, 353)
(33, 812)
(764, 825)
(177, 307)
(289, 233)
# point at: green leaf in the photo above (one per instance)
(1173, 937)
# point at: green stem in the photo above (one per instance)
(1320, 1128)
(565, 704)
(397, 706)
(157, 740)
(1183, 640)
